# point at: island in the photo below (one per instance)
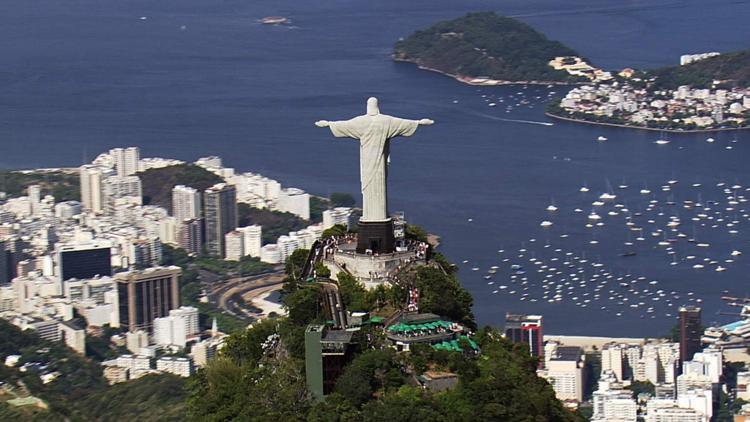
(487, 49)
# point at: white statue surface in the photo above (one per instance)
(374, 132)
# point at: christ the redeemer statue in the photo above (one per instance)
(374, 132)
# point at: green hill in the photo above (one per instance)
(63, 186)
(157, 184)
(733, 69)
(485, 44)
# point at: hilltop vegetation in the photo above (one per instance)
(63, 186)
(260, 374)
(80, 393)
(157, 184)
(485, 44)
(732, 69)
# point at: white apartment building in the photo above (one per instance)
(675, 414)
(338, 215)
(173, 330)
(175, 365)
(235, 245)
(170, 331)
(119, 191)
(270, 254)
(67, 210)
(252, 240)
(186, 203)
(564, 370)
(134, 362)
(294, 201)
(91, 178)
(614, 405)
(125, 160)
(286, 246)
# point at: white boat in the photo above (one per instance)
(594, 216)
(597, 203)
(551, 208)
(736, 253)
(720, 269)
(710, 140)
(583, 189)
(606, 196)
(545, 223)
(492, 104)
(662, 140)
(698, 266)
(645, 191)
(601, 138)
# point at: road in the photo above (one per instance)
(234, 295)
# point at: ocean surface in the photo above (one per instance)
(191, 78)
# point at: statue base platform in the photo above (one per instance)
(375, 237)
(371, 270)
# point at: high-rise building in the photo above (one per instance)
(252, 240)
(690, 332)
(564, 367)
(121, 190)
(125, 160)
(295, 201)
(35, 198)
(186, 203)
(174, 330)
(190, 236)
(5, 274)
(146, 252)
(235, 248)
(220, 213)
(67, 210)
(526, 329)
(612, 360)
(91, 188)
(84, 261)
(147, 294)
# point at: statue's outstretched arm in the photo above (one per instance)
(342, 128)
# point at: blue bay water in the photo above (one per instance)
(203, 77)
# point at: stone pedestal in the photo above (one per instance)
(375, 236)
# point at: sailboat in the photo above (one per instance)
(662, 140)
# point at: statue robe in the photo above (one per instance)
(374, 133)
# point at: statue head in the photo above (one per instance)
(372, 106)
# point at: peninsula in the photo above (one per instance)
(486, 49)
(704, 95)
(706, 92)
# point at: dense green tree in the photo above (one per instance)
(485, 44)
(442, 294)
(246, 346)
(337, 230)
(296, 262)
(341, 199)
(370, 372)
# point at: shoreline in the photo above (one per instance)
(625, 126)
(478, 81)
